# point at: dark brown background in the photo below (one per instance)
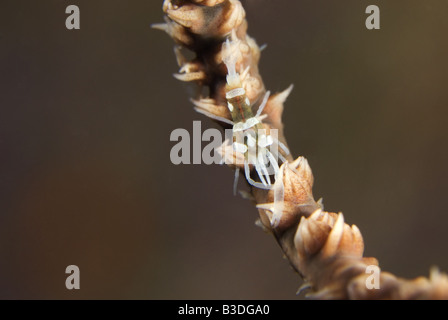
(85, 173)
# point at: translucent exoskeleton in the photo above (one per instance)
(259, 147)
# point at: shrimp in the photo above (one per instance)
(249, 136)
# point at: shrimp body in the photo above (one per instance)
(249, 136)
(250, 139)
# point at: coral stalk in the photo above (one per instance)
(320, 246)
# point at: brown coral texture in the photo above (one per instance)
(320, 246)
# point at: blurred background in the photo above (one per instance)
(85, 172)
